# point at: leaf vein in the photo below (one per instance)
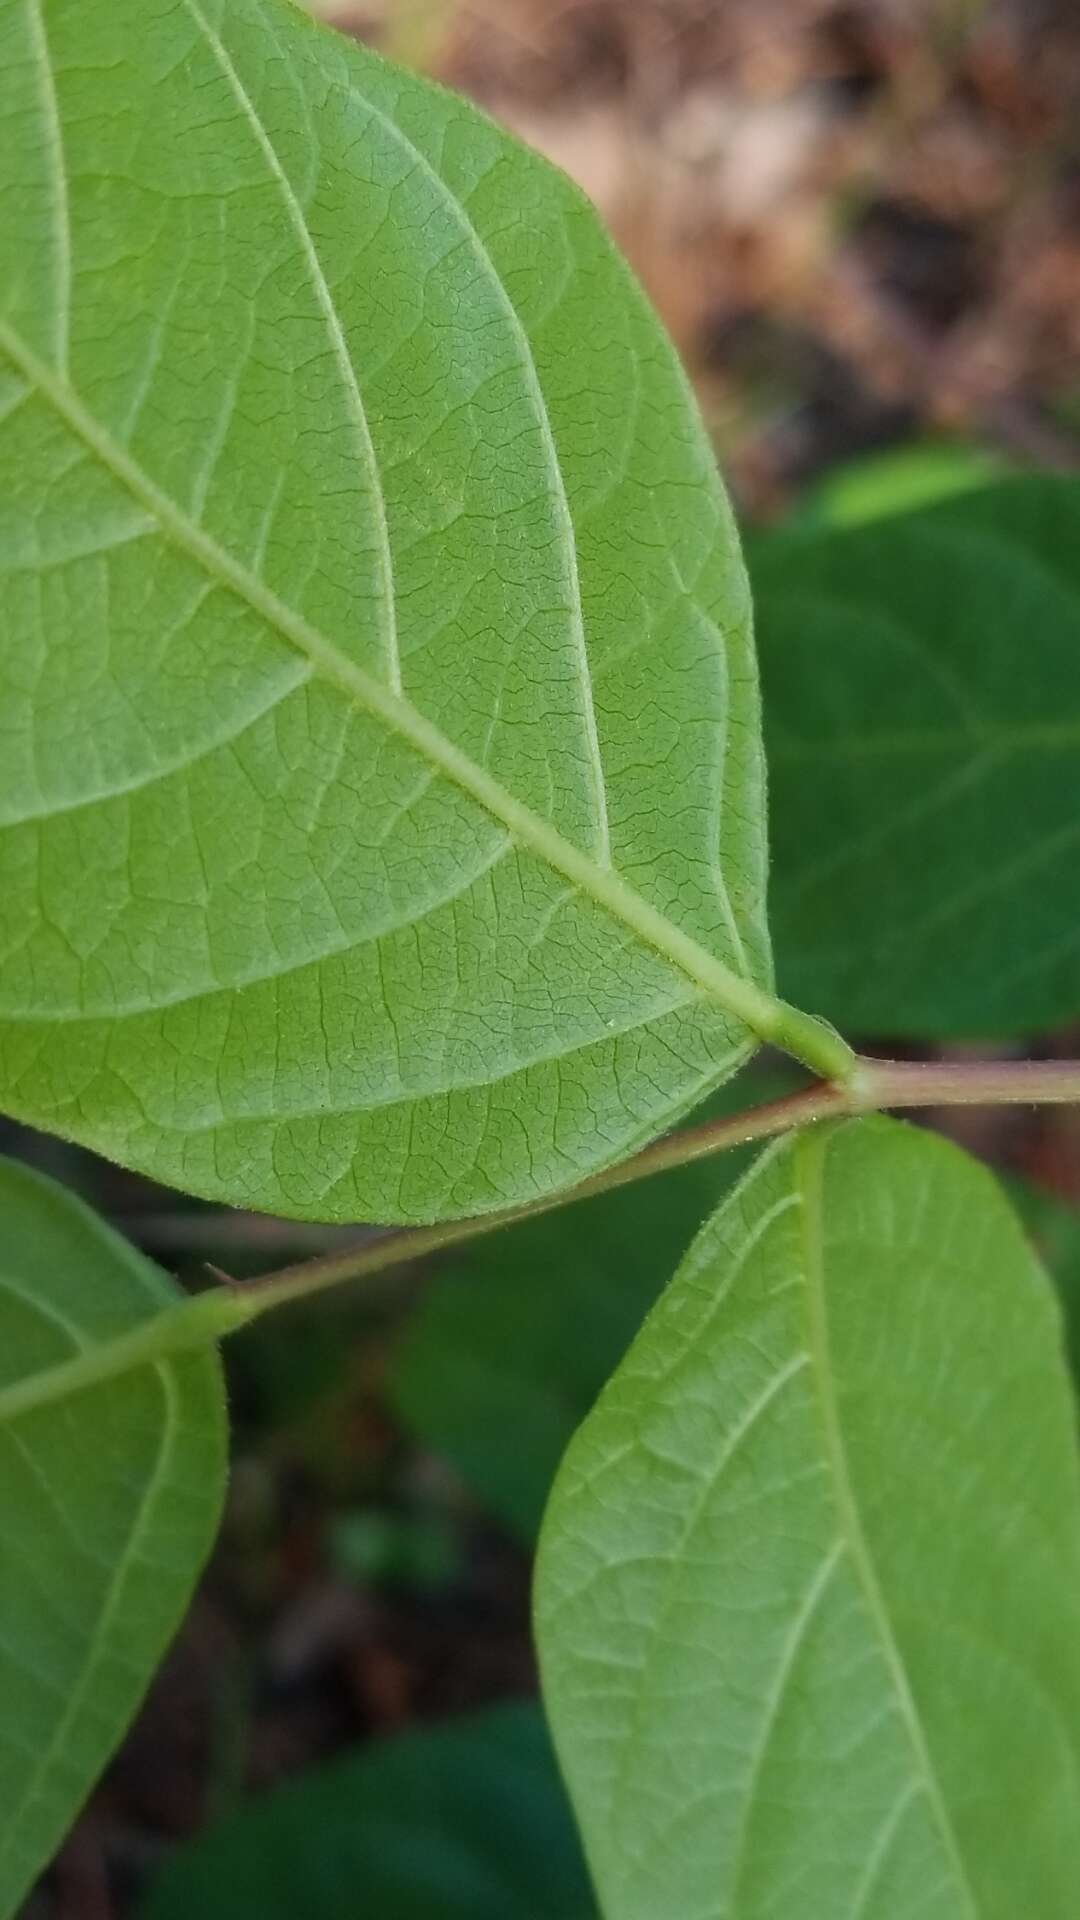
(325, 299)
(530, 372)
(150, 777)
(808, 1162)
(51, 108)
(795, 1640)
(732, 991)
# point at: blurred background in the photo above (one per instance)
(860, 220)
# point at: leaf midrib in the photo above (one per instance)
(808, 1157)
(733, 992)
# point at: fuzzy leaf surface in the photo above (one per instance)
(807, 1593)
(381, 817)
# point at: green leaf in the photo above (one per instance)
(110, 1500)
(464, 1821)
(382, 780)
(809, 1583)
(922, 699)
(517, 1334)
(1054, 1230)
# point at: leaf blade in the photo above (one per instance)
(476, 847)
(111, 1500)
(786, 1652)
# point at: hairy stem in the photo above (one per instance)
(872, 1085)
(964, 1083)
(673, 1150)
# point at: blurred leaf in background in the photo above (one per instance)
(925, 879)
(464, 1821)
(417, 1552)
(896, 481)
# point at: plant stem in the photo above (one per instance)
(964, 1083)
(871, 1086)
(673, 1150)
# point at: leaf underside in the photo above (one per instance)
(807, 1593)
(922, 704)
(110, 1501)
(381, 790)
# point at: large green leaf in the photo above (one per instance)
(381, 780)
(809, 1585)
(464, 1821)
(110, 1499)
(922, 700)
(518, 1333)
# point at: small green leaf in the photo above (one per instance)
(877, 485)
(381, 792)
(809, 1585)
(517, 1334)
(465, 1821)
(922, 684)
(110, 1500)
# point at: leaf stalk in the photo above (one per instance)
(870, 1085)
